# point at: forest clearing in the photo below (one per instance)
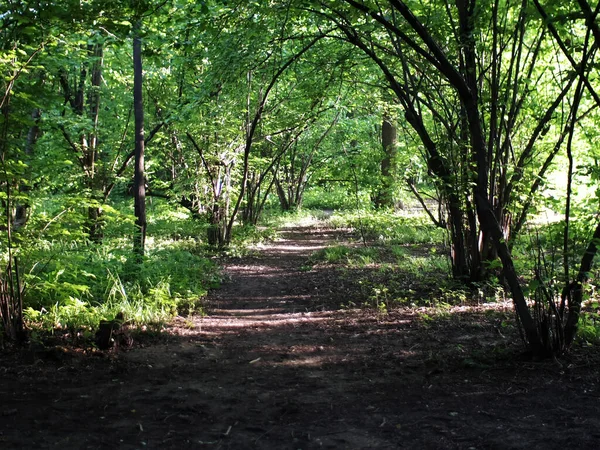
(299, 223)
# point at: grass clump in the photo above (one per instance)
(244, 239)
(71, 284)
(77, 290)
(405, 263)
(390, 227)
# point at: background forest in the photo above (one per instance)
(139, 139)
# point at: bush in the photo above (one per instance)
(337, 197)
(390, 227)
(74, 284)
(79, 289)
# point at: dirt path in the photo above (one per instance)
(278, 365)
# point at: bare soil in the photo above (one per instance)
(278, 364)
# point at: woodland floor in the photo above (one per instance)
(278, 364)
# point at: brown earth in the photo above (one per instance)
(277, 364)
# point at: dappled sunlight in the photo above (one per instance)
(306, 361)
(265, 275)
(261, 319)
(257, 269)
(276, 343)
(273, 316)
(504, 305)
(295, 248)
(266, 318)
(318, 340)
(280, 299)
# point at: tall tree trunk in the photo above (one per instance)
(22, 209)
(95, 228)
(467, 88)
(385, 194)
(281, 194)
(139, 241)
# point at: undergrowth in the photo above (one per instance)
(390, 227)
(72, 284)
(81, 287)
(244, 237)
(384, 276)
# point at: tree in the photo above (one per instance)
(254, 73)
(82, 92)
(293, 171)
(139, 183)
(385, 195)
(484, 80)
(567, 310)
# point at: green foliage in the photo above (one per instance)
(390, 227)
(543, 244)
(244, 237)
(73, 284)
(589, 328)
(213, 73)
(335, 197)
(167, 281)
(331, 254)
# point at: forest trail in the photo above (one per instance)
(278, 364)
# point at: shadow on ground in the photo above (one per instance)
(276, 364)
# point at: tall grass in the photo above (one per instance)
(394, 228)
(71, 283)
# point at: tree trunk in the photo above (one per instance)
(95, 226)
(139, 241)
(86, 148)
(467, 88)
(22, 209)
(281, 194)
(385, 194)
